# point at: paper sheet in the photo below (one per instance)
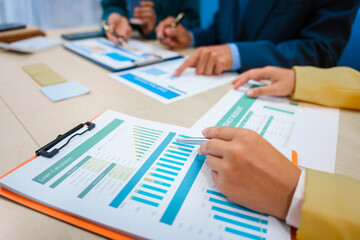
(31, 45)
(308, 129)
(43, 75)
(130, 175)
(64, 91)
(157, 81)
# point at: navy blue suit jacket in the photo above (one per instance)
(283, 32)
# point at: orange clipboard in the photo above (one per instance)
(77, 221)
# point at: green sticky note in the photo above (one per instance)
(43, 75)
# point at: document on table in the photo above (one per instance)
(117, 58)
(64, 91)
(131, 176)
(157, 81)
(308, 129)
(31, 45)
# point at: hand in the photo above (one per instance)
(147, 15)
(208, 61)
(121, 26)
(249, 171)
(282, 81)
(177, 37)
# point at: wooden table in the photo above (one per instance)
(28, 120)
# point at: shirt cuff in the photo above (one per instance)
(235, 57)
(192, 43)
(294, 214)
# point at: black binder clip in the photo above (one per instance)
(44, 150)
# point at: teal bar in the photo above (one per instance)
(143, 138)
(97, 180)
(183, 136)
(146, 134)
(179, 153)
(240, 224)
(154, 188)
(64, 162)
(162, 183)
(146, 131)
(143, 143)
(243, 234)
(71, 171)
(171, 161)
(183, 145)
(239, 215)
(215, 193)
(169, 166)
(145, 201)
(162, 176)
(175, 157)
(149, 129)
(234, 115)
(185, 149)
(242, 124)
(151, 142)
(166, 171)
(279, 110)
(150, 194)
(263, 131)
(233, 205)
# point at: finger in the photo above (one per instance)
(162, 25)
(111, 37)
(143, 12)
(215, 176)
(172, 32)
(218, 69)
(147, 4)
(223, 133)
(214, 147)
(190, 62)
(263, 91)
(213, 162)
(203, 60)
(254, 74)
(209, 70)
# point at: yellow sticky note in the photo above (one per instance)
(43, 75)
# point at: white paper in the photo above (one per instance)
(308, 129)
(116, 57)
(103, 174)
(157, 81)
(31, 45)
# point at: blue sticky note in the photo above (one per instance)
(64, 91)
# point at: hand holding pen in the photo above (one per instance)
(117, 28)
(172, 33)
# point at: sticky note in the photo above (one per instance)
(64, 91)
(43, 75)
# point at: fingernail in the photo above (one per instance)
(199, 152)
(204, 132)
(250, 92)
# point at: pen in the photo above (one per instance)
(174, 24)
(192, 140)
(106, 27)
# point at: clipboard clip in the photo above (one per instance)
(44, 150)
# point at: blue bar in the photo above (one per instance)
(240, 224)
(175, 157)
(152, 87)
(150, 194)
(183, 145)
(166, 171)
(183, 136)
(118, 57)
(162, 176)
(145, 201)
(180, 153)
(240, 215)
(171, 161)
(154, 72)
(141, 172)
(184, 149)
(233, 205)
(215, 193)
(176, 89)
(169, 166)
(176, 202)
(154, 188)
(243, 234)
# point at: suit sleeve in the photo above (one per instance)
(320, 42)
(192, 18)
(331, 209)
(111, 6)
(336, 87)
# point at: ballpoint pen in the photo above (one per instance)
(106, 27)
(192, 140)
(177, 20)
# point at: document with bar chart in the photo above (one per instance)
(117, 58)
(157, 81)
(308, 129)
(131, 176)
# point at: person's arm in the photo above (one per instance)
(320, 42)
(192, 10)
(336, 87)
(113, 6)
(331, 209)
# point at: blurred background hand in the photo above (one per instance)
(121, 26)
(146, 14)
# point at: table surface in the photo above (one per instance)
(28, 120)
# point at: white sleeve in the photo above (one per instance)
(294, 214)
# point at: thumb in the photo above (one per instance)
(261, 91)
